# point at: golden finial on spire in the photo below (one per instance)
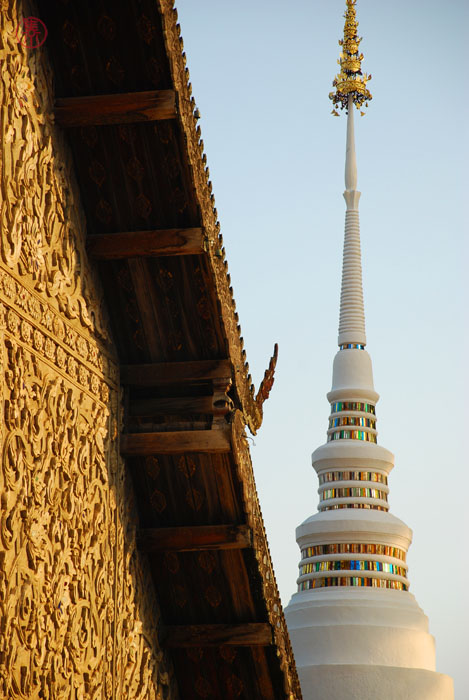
(350, 81)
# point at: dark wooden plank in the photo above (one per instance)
(178, 442)
(151, 330)
(196, 538)
(174, 372)
(137, 244)
(248, 634)
(125, 108)
(179, 405)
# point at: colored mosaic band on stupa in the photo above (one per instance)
(352, 435)
(358, 421)
(339, 420)
(351, 346)
(352, 581)
(352, 476)
(353, 492)
(353, 548)
(371, 506)
(353, 565)
(338, 406)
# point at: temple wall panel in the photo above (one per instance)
(77, 617)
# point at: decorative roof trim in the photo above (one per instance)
(250, 403)
(254, 519)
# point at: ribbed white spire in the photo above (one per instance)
(352, 311)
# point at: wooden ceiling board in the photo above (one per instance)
(194, 489)
(106, 47)
(133, 177)
(192, 587)
(233, 673)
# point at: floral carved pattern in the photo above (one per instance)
(58, 573)
(41, 222)
(65, 533)
(77, 612)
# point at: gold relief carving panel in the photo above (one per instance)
(78, 620)
(42, 225)
(58, 506)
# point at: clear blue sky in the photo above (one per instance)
(261, 73)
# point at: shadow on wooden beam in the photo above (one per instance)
(174, 443)
(174, 372)
(140, 244)
(195, 538)
(245, 635)
(124, 108)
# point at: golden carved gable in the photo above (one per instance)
(77, 619)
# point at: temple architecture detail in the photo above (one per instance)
(134, 563)
(356, 630)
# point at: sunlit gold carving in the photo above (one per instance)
(77, 616)
(40, 240)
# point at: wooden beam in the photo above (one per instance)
(174, 372)
(178, 405)
(140, 244)
(124, 108)
(245, 635)
(195, 538)
(174, 443)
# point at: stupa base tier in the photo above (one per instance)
(364, 682)
(359, 626)
(359, 608)
(363, 643)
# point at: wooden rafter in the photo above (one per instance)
(174, 372)
(138, 244)
(180, 405)
(195, 538)
(178, 442)
(124, 108)
(249, 634)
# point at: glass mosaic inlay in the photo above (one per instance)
(351, 581)
(353, 492)
(352, 435)
(351, 346)
(338, 406)
(353, 565)
(352, 420)
(353, 505)
(352, 476)
(353, 548)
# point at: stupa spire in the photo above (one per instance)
(350, 88)
(357, 631)
(352, 309)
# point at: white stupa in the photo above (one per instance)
(356, 630)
